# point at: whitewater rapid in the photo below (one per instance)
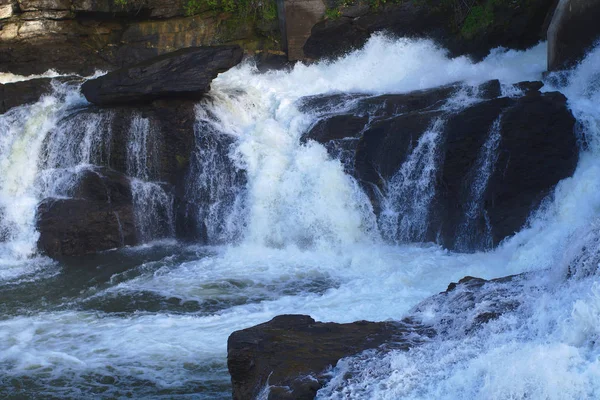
(301, 238)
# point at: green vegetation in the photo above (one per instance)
(470, 17)
(333, 13)
(479, 18)
(336, 11)
(480, 14)
(263, 9)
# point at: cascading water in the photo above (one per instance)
(153, 321)
(24, 132)
(216, 194)
(152, 205)
(482, 171)
(405, 215)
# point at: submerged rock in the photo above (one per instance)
(183, 74)
(99, 216)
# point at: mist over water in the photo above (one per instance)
(296, 235)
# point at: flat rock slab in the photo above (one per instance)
(291, 353)
(185, 73)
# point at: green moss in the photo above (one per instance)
(181, 161)
(262, 9)
(479, 18)
(333, 13)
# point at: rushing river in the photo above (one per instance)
(297, 236)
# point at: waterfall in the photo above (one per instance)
(216, 189)
(21, 146)
(406, 207)
(469, 232)
(152, 204)
(291, 231)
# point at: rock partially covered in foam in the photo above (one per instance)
(99, 216)
(25, 92)
(291, 353)
(290, 356)
(184, 74)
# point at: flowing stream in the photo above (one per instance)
(293, 234)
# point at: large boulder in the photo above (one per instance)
(462, 28)
(185, 73)
(24, 92)
(159, 146)
(290, 356)
(573, 32)
(291, 353)
(490, 165)
(99, 216)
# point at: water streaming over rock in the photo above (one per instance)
(406, 208)
(469, 237)
(298, 234)
(152, 204)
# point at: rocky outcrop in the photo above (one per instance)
(98, 216)
(289, 356)
(81, 36)
(573, 32)
(300, 17)
(535, 148)
(158, 147)
(25, 92)
(183, 74)
(461, 27)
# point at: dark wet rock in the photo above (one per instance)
(538, 149)
(526, 87)
(292, 352)
(374, 136)
(510, 24)
(98, 217)
(289, 356)
(266, 61)
(25, 92)
(178, 151)
(337, 127)
(573, 32)
(183, 74)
